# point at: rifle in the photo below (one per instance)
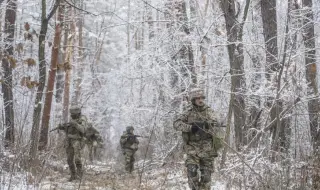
(215, 124)
(61, 127)
(139, 136)
(132, 137)
(205, 124)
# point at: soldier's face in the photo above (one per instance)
(199, 101)
(75, 116)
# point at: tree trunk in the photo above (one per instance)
(269, 21)
(236, 58)
(7, 66)
(313, 94)
(62, 57)
(42, 77)
(150, 21)
(80, 58)
(68, 67)
(183, 52)
(50, 84)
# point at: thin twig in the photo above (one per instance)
(80, 8)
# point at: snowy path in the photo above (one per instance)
(102, 176)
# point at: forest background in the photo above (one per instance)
(133, 62)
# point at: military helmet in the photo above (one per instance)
(75, 110)
(196, 93)
(129, 128)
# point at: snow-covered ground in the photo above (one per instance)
(104, 176)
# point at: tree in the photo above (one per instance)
(67, 65)
(313, 92)
(236, 59)
(42, 78)
(181, 51)
(50, 84)
(80, 68)
(274, 69)
(8, 63)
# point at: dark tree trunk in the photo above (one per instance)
(269, 21)
(313, 93)
(279, 128)
(62, 58)
(236, 58)
(50, 84)
(68, 63)
(42, 78)
(7, 66)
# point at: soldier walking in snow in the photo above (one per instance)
(129, 145)
(74, 143)
(94, 141)
(198, 126)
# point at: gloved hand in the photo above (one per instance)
(131, 138)
(198, 125)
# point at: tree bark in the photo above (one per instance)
(276, 105)
(42, 77)
(62, 58)
(269, 20)
(313, 94)
(184, 55)
(80, 58)
(236, 58)
(50, 84)
(7, 66)
(68, 67)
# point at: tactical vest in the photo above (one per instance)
(77, 131)
(130, 144)
(197, 115)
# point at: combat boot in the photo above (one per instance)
(73, 175)
(79, 171)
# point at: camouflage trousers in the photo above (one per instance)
(129, 159)
(94, 149)
(195, 163)
(73, 150)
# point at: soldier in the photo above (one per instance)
(75, 132)
(197, 125)
(129, 145)
(93, 140)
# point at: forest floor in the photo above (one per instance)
(104, 176)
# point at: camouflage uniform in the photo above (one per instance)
(75, 142)
(198, 145)
(93, 141)
(129, 145)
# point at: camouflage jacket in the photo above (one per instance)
(202, 140)
(77, 128)
(93, 137)
(129, 141)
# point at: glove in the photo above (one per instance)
(131, 138)
(194, 129)
(211, 124)
(197, 126)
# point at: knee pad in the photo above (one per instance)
(205, 176)
(192, 170)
